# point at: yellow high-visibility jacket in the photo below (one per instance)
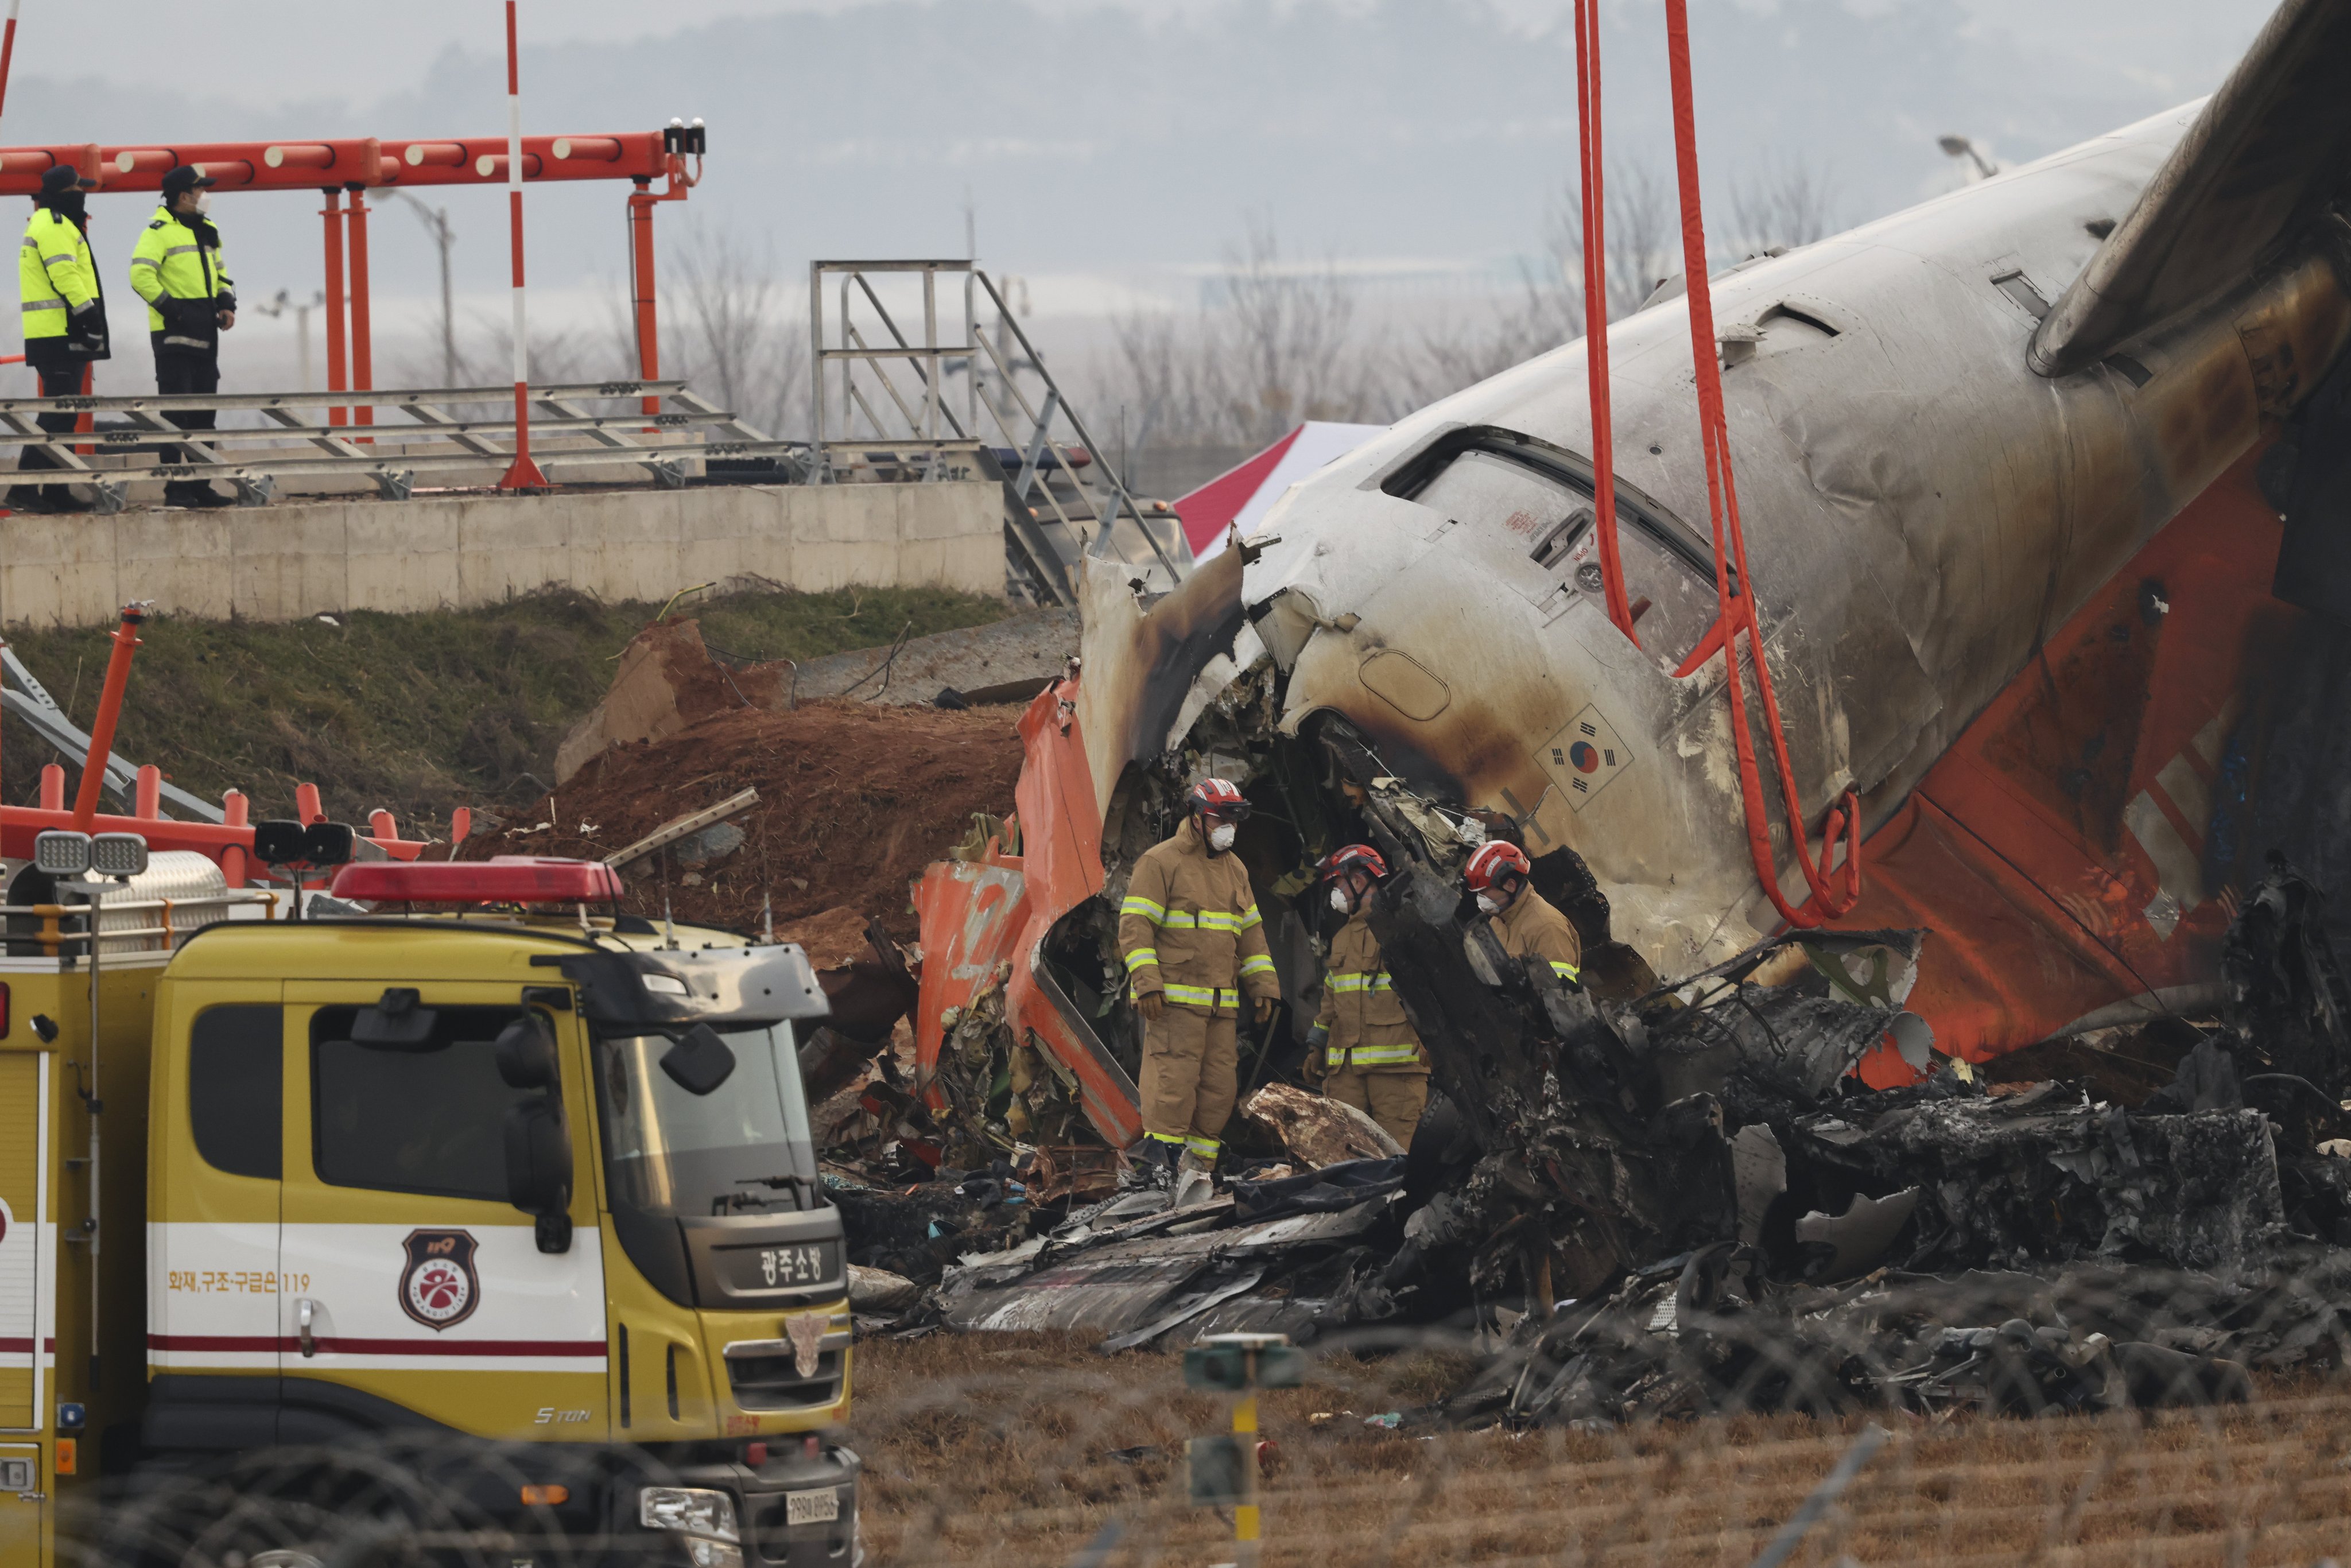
(1532, 925)
(1189, 927)
(1361, 1020)
(169, 263)
(55, 275)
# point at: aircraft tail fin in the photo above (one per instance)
(2269, 150)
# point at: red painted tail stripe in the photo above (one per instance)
(330, 1345)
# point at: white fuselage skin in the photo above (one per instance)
(1921, 512)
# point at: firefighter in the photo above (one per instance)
(177, 269)
(64, 319)
(1523, 920)
(1194, 945)
(1369, 1057)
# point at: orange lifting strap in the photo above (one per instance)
(1596, 309)
(1834, 889)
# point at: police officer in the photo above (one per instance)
(64, 319)
(1523, 921)
(1194, 945)
(1368, 1053)
(177, 269)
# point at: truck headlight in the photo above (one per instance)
(692, 1509)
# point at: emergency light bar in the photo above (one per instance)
(502, 879)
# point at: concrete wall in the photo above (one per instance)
(281, 562)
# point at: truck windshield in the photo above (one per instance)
(743, 1148)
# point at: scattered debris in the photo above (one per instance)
(1687, 1201)
(1319, 1132)
(1006, 661)
(696, 829)
(880, 1292)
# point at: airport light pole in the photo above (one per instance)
(1960, 147)
(436, 222)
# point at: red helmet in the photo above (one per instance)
(1219, 798)
(1494, 862)
(1356, 857)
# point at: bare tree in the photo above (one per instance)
(1547, 310)
(1783, 206)
(1282, 333)
(1643, 236)
(735, 334)
(1273, 346)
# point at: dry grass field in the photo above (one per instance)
(1033, 1448)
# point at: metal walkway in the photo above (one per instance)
(664, 431)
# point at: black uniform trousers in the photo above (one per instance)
(60, 371)
(179, 372)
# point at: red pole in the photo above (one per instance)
(52, 787)
(524, 474)
(333, 212)
(233, 808)
(110, 710)
(641, 238)
(7, 49)
(362, 334)
(86, 422)
(147, 799)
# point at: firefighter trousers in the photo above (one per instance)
(1394, 1100)
(1191, 1072)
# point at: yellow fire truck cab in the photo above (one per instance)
(518, 1206)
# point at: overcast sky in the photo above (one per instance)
(1111, 149)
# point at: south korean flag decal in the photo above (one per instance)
(1584, 758)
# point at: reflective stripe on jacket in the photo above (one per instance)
(169, 262)
(1189, 927)
(1365, 1021)
(55, 275)
(1531, 925)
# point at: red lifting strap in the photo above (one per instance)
(1596, 309)
(1830, 897)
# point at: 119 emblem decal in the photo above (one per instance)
(439, 1288)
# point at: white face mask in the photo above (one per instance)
(1488, 904)
(1340, 901)
(203, 201)
(1220, 837)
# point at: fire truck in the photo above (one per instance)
(349, 1197)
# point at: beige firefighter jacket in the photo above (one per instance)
(1532, 925)
(1361, 1014)
(1189, 927)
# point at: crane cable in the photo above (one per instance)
(1596, 310)
(1833, 891)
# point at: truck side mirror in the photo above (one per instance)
(538, 1169)
(526, 1051)
(700, 1061)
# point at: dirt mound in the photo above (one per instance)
(854, 802)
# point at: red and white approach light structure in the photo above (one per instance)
(340, 165)
(524, 474)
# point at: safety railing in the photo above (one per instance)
(680, 430)
(55, 939)
(868, 369)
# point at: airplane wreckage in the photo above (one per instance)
(2049, 482)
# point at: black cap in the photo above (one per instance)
(63, 177)
(185, 178)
